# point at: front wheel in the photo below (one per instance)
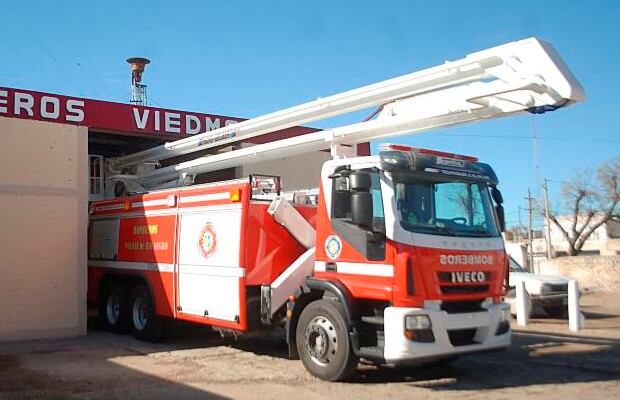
(323, 342)
(146, 325)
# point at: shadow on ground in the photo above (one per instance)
(89, 367)
(82, 368)
(532, 359)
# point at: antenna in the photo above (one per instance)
(138, 90)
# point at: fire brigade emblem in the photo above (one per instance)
(333, 246)
(207, 241)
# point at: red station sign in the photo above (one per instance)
(106, 115)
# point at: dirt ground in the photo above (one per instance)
(194, 363)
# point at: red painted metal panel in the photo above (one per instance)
(147, 239)
(269, 247)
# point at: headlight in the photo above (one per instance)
(418, 328)
(417, 322)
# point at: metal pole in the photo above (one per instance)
(522, 301)
(530, 256)
(575, 321)
(547, 221)
(520, 226)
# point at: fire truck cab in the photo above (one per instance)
(410, 244)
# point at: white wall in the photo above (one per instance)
(593, 272)
(43, 198)
(297, 172)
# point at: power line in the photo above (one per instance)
(590, 139)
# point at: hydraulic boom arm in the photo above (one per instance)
(523, 76)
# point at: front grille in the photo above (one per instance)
(448, 277)
(458, 307)
(462, 337)
(464, 289)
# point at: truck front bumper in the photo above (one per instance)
(455, 333)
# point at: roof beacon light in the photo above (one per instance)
(405, 148)
(445, 155)
(395, 147)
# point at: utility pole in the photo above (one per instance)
(520, 225)
(547, 220)
(530, 255)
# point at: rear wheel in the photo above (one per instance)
(114, 308)
(146, 325)
(323, 342)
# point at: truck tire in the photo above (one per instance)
(556, 311)
(146, 325)
(114, 308)
(323, 342)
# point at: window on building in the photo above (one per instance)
(95, 169)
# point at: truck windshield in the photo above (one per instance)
(448, 208)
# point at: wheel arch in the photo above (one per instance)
(339, 291)
(121, 278)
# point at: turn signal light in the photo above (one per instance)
(127, 205)
(235, 195)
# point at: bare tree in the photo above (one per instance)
(591, 199)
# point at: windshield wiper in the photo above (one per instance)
(444, 229)
(477, 233)
(480, 232)
(428, 228)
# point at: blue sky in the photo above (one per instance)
(246, 58)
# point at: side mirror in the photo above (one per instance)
(360, 182)
(499, 210)
(497, 195)
(361, 199)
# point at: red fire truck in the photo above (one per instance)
(395, 258)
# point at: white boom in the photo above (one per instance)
(522, 76)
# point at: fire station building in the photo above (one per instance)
(53, 152)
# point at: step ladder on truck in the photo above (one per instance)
(396, 258)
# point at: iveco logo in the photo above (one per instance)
(467, 277)
(465, 259)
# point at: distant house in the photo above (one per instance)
(605, 240)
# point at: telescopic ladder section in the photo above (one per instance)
(522, 76)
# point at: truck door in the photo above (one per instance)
(208, 272)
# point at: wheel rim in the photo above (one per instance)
(113, 308)
(321, 340)
(140, 313)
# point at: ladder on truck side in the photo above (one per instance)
(518, 77)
